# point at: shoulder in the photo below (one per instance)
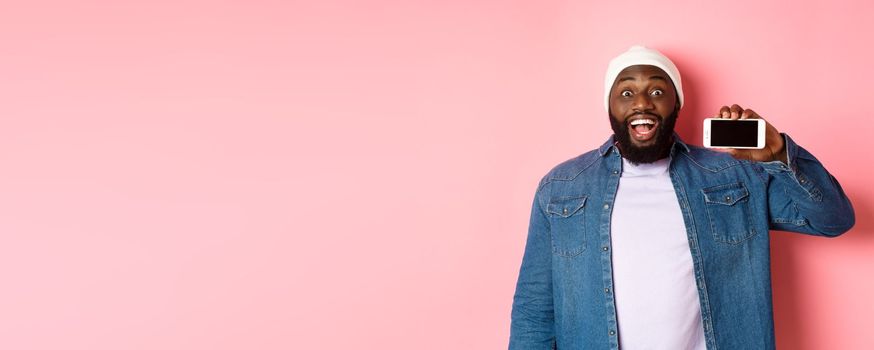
(572, 168)
(708, 159)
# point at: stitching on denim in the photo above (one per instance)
(582, 160)
(579, 214)
(587, 166)
(738, 204)
(713, 169)
(737, 188)
(801, 222)
(563, 199)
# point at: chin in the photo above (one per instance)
(644, 144)
(658, 147)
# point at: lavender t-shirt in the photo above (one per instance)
(656, 296)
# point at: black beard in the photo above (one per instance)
(641, 155)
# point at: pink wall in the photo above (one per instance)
(358, 175)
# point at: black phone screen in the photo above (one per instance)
(734, 133)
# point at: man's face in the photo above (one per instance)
(643, 111)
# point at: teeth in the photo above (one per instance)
(643, 121)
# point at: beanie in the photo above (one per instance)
(641, 55)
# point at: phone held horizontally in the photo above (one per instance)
(738, 133)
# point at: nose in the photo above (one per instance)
(642, 103)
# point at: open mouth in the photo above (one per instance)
(643, 128)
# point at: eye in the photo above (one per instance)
(656, 92)
(625, 93)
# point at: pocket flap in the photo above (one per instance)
(565, 206)
(725, 194)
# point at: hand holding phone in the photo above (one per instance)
(773, 148)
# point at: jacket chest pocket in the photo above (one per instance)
(728, 208)
(568, 225)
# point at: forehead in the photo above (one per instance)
(642, 73)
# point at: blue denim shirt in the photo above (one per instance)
(564, 293)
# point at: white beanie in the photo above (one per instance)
(641, 55)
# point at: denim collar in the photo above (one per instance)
(678, 145)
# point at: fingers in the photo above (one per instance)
(732, 112)
(737, 112)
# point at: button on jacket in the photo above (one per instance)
(563, 295)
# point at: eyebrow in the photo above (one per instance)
(654, 77)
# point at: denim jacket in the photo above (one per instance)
(563, 295)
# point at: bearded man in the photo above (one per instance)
(650, 243)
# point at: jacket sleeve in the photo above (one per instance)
(532, 319)
(803, 197)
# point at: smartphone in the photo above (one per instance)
(738, 133)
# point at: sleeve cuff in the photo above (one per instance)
(791, 169)
(791, 149)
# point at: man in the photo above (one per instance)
(650, 243)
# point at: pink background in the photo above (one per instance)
(358, 175)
